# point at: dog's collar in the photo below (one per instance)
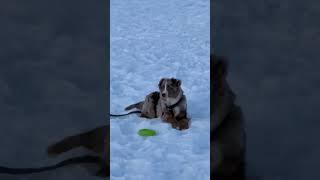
(175, 104)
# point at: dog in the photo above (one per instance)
(227, 126)
(169, 104)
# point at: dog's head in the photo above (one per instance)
(169, 88)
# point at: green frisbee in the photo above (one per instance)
(147, 132)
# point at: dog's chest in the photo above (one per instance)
(176, 110)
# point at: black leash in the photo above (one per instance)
(119, 115)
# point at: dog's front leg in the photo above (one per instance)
(181, 124)
(180, 120)
(168, 116)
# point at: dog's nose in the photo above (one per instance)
(163, 94)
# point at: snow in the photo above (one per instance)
(152, 39)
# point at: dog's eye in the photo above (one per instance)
(170, 87)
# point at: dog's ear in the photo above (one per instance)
(176, 81)
(160, 82)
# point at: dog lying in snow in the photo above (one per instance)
(227, 126)
(170, 104)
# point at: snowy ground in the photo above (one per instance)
(151, 39)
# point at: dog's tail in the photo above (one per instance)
(136, 105)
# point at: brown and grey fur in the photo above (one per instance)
(157, 104)
(227, 126)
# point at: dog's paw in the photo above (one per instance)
(167, 117)
(181, 124)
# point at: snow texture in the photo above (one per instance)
(151, 39)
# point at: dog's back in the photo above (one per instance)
(149, 107)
